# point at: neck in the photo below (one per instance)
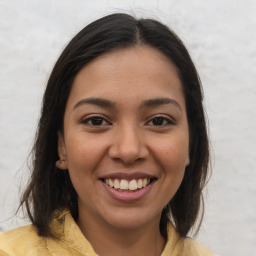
(107, 240)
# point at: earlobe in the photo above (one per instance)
(188, 161)
(62, 163)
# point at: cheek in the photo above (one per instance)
(171, 156)
(83, 154)
(173, 163)
(173, 152)
(82, 160)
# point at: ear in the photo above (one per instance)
(188, 160)
(62, 163)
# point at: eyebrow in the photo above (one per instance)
(110, 104)
(95, 101)
(161, 101)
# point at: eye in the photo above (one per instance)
(160, 121)
(95, 121)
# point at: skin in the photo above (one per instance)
(130, 136)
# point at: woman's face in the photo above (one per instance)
(125, 140)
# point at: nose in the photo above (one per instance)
(128, 145)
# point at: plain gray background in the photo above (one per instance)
(221, 37)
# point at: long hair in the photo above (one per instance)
(50, 189)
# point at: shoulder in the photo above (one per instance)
(192, 247)
(177, 245)
(20, 241)
(25, 240)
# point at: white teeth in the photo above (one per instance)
(139, 184)
(133, 185)
(144, 183)
(111, 183)
(116, 183)
(126, 184)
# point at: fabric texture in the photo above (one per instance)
(25, 241)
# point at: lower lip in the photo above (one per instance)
(128, 196)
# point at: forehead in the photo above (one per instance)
(128, 74)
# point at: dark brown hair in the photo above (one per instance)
(50, 189)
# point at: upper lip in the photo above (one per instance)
(128, 176)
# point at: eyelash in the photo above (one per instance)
(95, 118)
(166, 120)
(163, 119)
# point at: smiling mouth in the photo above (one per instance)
(124, 185)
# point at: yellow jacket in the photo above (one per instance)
(25, 241)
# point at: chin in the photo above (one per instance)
(131, 219)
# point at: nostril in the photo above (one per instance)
(127, 145)
(128, 156)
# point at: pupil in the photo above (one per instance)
(97, 121)
(158, 121)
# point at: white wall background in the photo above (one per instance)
(221, 37)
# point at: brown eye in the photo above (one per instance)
(95, 121)
(160, 121)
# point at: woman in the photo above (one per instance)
(121, 153)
